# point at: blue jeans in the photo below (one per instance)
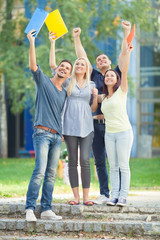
(47, 148)
(99, 152)
(118, 147)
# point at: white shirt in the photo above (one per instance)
(115, 112)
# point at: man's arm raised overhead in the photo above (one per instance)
(32, 51)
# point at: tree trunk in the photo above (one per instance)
(3, 120)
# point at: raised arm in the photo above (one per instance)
(127, 28)
(124, 57)
(78, 45)
(52, 57)
(32, 51)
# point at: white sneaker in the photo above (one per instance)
(102, 199)
(30, 217)
(50, 215)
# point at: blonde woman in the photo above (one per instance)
(78, 127)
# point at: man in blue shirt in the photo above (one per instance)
(103, 63)
(47, 137)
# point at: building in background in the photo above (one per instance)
(148, 92)
(143, 108)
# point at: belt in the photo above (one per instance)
(46, 129)
(99, 121)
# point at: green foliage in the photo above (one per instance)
(97, 19)
(145, 173)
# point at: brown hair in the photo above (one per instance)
(115, 87)
(102, 54)
(65, 60)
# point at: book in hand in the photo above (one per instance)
(56, 24)
(36, 21)
(131, 35)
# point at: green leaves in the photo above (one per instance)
(97, 19)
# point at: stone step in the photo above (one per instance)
(117, 228)
(81, 211)
(105, 216)
(98, 218)
(126, 209)
(121, 216)
(60, 237)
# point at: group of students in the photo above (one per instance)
(63, 109)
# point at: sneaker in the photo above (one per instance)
(30, 217)
(50, 215)
(102, 199)
(121, 202)
(112, 202)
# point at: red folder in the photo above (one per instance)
(131, 35)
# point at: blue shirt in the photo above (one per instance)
(49, 102)
(97, 77)
(77, 115)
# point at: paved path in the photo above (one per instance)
(135, 198)
(144, 198)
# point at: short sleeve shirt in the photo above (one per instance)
(77, 116)
(49, 102)
(115, 112)
(97, 77)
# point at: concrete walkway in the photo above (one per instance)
(135, 198)
(144, 199)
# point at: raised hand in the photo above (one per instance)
(127, 28)
(52, 36)
(31, 35)
(126, 25)
(76, 32)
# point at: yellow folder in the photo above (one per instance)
(56, 24)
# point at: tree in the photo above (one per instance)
(3, 117)
(97, 19)
(3, 120)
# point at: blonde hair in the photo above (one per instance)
(72, 81)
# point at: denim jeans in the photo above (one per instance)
(99, 152)
(118, 147)
(47, 148)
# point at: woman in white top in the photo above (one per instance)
(119, 135)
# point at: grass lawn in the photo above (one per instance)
(15, 175)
